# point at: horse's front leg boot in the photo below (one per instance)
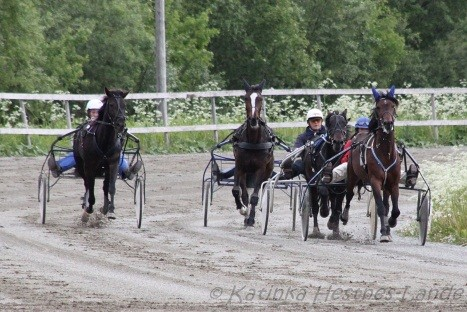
(254, 199)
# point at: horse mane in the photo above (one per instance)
(102, 109)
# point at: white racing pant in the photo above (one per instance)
(339, 173)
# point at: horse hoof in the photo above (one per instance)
(243, 211)
(385, 239)
(104, 210)
(316, 234)
(111, 216)
(324, 212)
(247, 222)
(345, 217)
(333, 225)
(85, 217)
(335, 236)
(392, 222)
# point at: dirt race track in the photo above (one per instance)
(175, 263)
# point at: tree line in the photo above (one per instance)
(81, 46)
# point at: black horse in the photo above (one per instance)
(253, 145)
(97, 149)
(381, 163)
(315, 158)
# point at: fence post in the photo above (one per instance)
(163, 109)
(214, 118)
(318, 100)
(68, 114)
(25, 120)
(433, 116)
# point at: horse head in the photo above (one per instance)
(253, 103)
(336, 123)
(113, 110)
(385, 109)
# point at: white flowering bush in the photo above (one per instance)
(10, 114)
(448, 184)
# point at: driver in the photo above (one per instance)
(68, 162)
(314, 130)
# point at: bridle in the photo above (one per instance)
(386, 126)
(118, 120)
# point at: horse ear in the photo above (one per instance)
(344, 113)
(391, 91)
(376, 94)
(261, 84)
(124, 94)
(107, 91)
(246, 85)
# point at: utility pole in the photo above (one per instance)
(160, 57)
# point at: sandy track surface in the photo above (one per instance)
(175, 263)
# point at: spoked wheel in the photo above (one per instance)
(371, 212)
(266, 205)
(305, 214)
(423, 216)
(139, 201)
(42, 196)
(206, 200)
(293, 204)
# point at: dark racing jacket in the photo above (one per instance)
(309, 135)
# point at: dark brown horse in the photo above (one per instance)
(315, 157)
(377, 162)
(253, 151)
(97, 151)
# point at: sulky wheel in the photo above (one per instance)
(305, 214)
(139, 200)
(294, 202)
(371, 212)
(423, 217)
(266, 207)
(206, 200)
(42, 196)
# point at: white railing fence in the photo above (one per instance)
(213, 95)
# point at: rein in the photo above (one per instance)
(370, 145)
(256, 146)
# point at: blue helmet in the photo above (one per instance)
(362, 123)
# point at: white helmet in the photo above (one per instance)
(314, 113)
(94, 104)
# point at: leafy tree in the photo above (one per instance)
(354, 41)
(63, 34)
(188, 35)
(22, 49)
(261, 39)
(435, 33)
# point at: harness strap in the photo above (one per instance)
(254, 146)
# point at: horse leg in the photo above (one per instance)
(238, 193)
(349, 194)
(112, 190)
(381, 212)
(333, 222)
(105, 188)
(336, 207)
(254, 198)
(89, 185)
(395, 207)
(315, 208)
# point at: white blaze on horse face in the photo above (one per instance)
(253, 97)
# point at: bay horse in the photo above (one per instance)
(315, 157)
(377, 162)
(97, 149)
(253, 152)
